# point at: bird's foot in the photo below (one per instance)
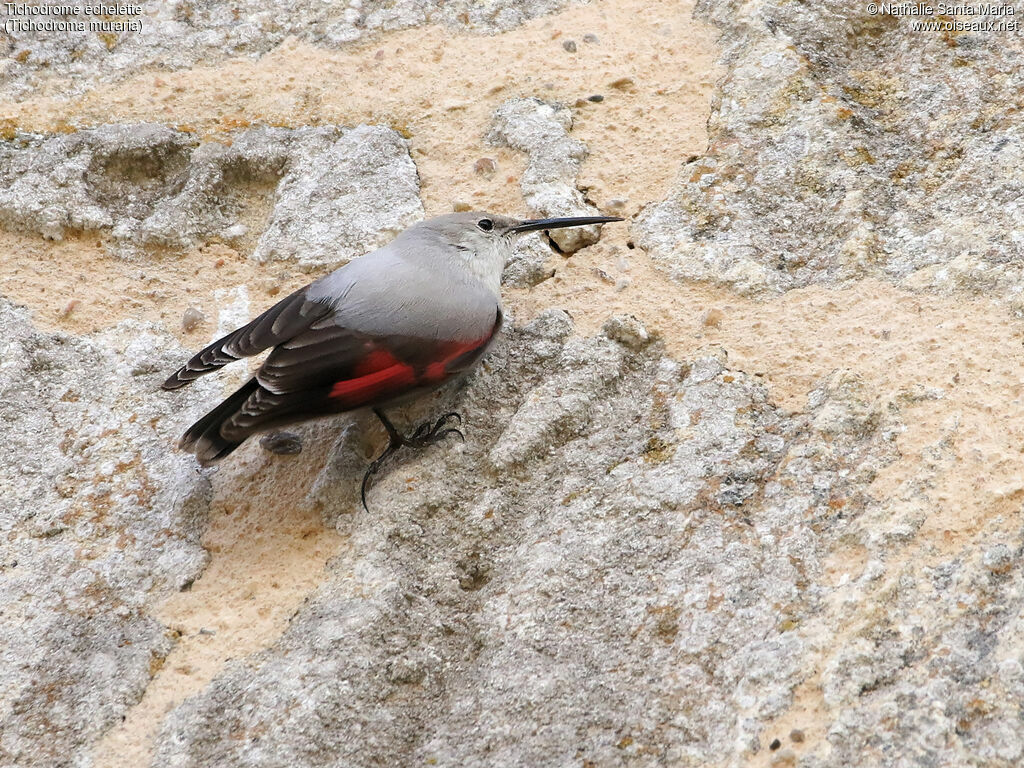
(425, 434)
(428, 434)
(282, 443)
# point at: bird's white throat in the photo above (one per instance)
(487, 261)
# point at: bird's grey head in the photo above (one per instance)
(484, 240)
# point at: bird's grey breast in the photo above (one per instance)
(397, 292)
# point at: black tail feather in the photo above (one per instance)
(204, 438)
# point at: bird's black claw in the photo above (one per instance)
(429, 433)
(420, 434)
(371, 470)
(425, 434)
(362, 491)
(440, 430)
(362, 488)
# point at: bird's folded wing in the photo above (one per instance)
(357, 368)
(285, 320)
(332, 369)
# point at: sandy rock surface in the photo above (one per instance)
(845, 145)
(181, 34)
(742, 478)
(334, 192)
(100, 519)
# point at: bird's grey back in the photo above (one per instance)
(413, 286)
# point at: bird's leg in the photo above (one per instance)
(425, 434)
(374, 466)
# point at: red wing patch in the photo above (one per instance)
(375, 386)
(380, 375)
(449, 353)
(377, 359)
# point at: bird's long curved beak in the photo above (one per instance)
(573, 221)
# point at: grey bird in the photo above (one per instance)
(386, 327)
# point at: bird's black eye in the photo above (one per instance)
(485, 224)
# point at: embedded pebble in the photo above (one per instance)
(542, 130)
(192, 318)
(485, 166)
(998, 558)
(713, 318)
(70, 307)
(627, 330)
(282, 443)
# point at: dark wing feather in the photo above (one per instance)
(286, 319)
(323, 356)
(329, 355)
(330, 369)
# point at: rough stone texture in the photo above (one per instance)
(339, 201)
(529, 263)
(336, 192)
(541, 130)
(182, 34)
(635, 559)
(90, 180)
(936, 678)
(627, 330)
(98, 522)
(845, 145)
(616, 575)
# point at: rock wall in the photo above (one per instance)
(741, 481)
(847, 145)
